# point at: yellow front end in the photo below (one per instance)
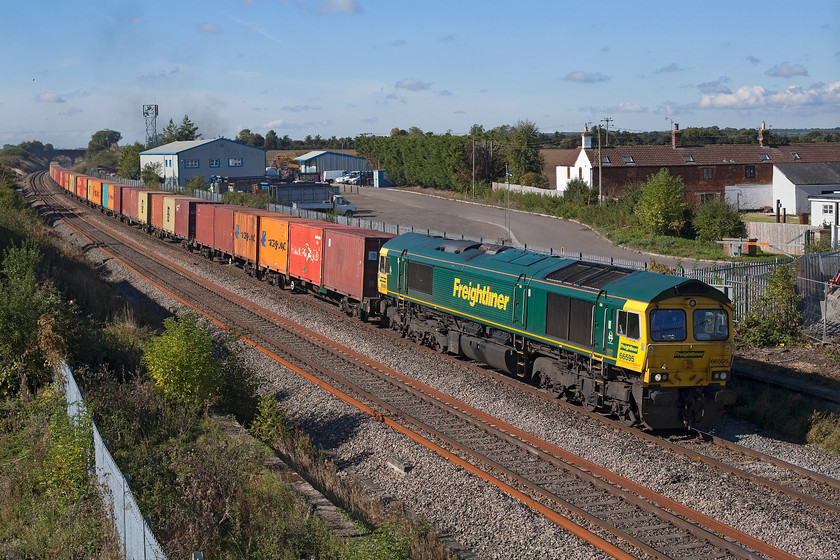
(687, 362)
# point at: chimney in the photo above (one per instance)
(676, 136)
(763, 136)
(586, 138)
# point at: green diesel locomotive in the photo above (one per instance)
(653, 349)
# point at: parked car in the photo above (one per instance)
(349, 177)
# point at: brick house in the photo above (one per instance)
(743, 173)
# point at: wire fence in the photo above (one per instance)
(136, 537)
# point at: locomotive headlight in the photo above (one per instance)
(660, 377)
(720, 375)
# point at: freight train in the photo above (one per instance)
(655, 350)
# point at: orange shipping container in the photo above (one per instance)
(274, 242)
(246, 232)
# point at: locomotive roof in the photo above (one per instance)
(591, 277)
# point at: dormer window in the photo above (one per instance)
(688, 158)
(605, 159)
(764, 157)
(794, 155)
(629, 159)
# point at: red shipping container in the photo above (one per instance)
(214, 226)
(306, 250)
(351, 261)
(186, 212)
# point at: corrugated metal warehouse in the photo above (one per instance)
(181, 161)
(321, 161)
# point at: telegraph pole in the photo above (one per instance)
(607, 120)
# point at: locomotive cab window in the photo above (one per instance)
(710, 324)
(667, 325)
(628, 324)
(384, 264)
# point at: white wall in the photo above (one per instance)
(582, 169)
(749, 197)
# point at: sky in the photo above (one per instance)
(349, 67)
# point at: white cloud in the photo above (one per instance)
(300, 108)
(673, 67)
(585, 77)
(785, 70)
(210, 28)
(339, 7)
(619, 108)
(748, 97)
(412, 84)
(50, 98)
(715, 86)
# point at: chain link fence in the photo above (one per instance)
(136, 537)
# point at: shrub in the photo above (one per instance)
(532, 179)
(774, 320)
(662, 209)
(716, 220)
(31, 326)
(197, 182)
(183, 361)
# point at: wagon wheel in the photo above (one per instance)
(627, 415)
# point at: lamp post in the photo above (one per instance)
(507, 203)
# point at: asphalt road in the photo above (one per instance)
(477, 221)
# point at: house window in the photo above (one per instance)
(794, 155)
(235, 162)
(191, 163)
(688, 158)
(764, 157)
(749, 171)
(707, 197)
(605, 159)
(215, 162)
(828, 209)
(629, 159)
(708, 172)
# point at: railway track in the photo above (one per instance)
(559, 485)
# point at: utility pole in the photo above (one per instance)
(473, 163)
(507, 203)
(600, 193)
(607, 120)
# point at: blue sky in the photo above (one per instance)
(347, 67)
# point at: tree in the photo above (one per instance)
(152, 175)
(30, 319)
(271, 140)
(129, 164)
(182, 361)
(102, 141)
(179, 133)
(661, 209)
(245, 136)
(717, 219)
(187, 130)
(523, 150)
(774, 320)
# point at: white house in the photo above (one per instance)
(793, 183)
(181, 161)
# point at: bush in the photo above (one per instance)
(184, 362)
(31, 322)
(532, 179)
(774, 320)
(716, 220)
(662, 209)
(197, 182)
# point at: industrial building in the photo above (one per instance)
(181, 161)
(320, 161)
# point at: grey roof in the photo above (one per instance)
(184, 145)
(177, 147)
(811, 173)
(318, 153)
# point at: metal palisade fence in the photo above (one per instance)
(136, 538)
